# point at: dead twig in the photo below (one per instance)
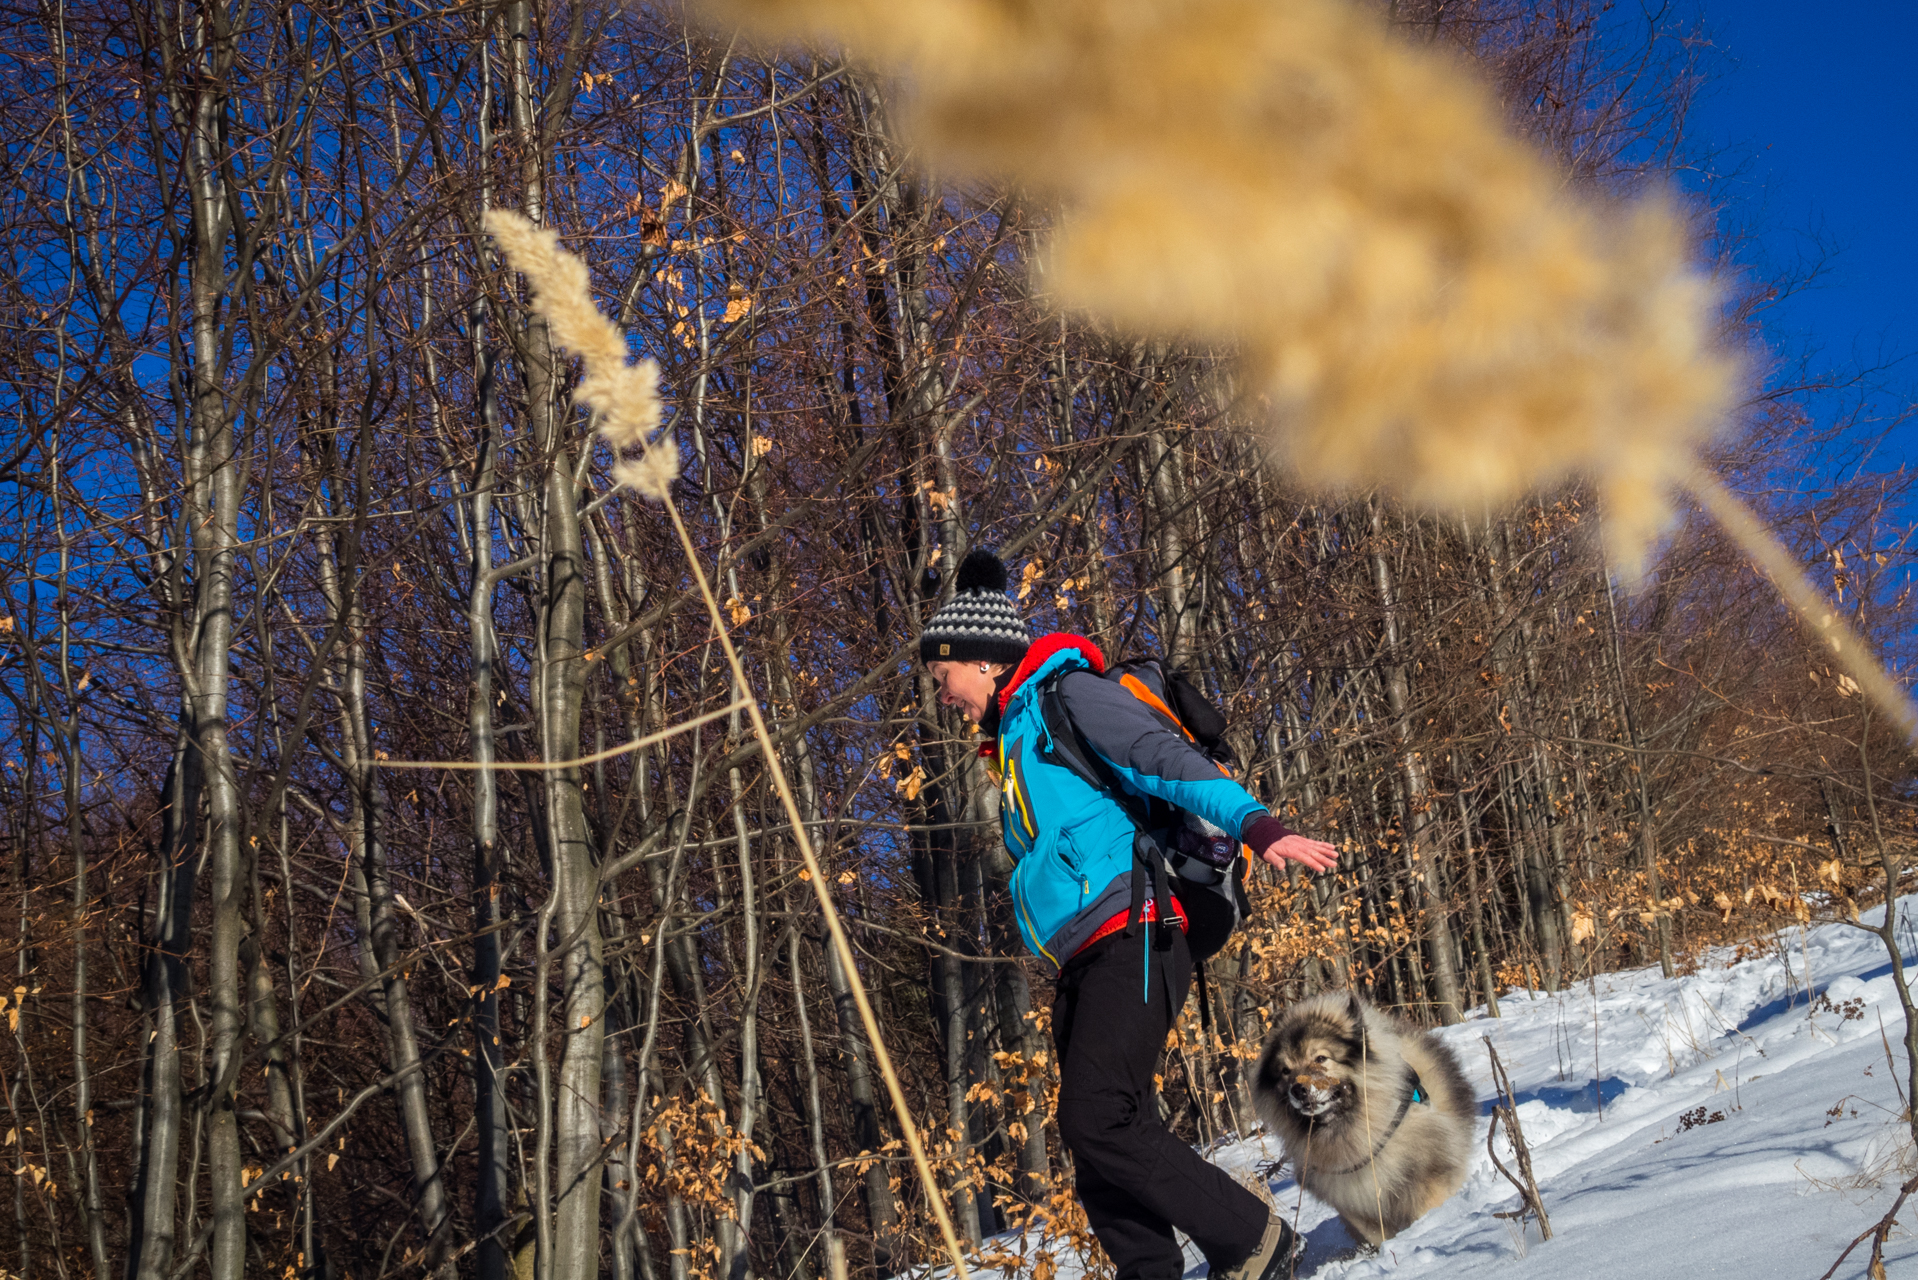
(1878, 1234)
(1506, 1113)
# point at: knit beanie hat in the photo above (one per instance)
(981, 624)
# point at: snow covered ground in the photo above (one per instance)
(1797, 1154)
(1777, 1187)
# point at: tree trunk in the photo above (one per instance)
(1421, 850)
(494, 1178)
(382, 952)
(153, 1216)
(575, 872)
(1483, 955)
(1640, 764)
(213, 475)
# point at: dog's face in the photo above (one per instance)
(1312, 1064)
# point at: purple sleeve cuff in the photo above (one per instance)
(1262, 831)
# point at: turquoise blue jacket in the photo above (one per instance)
(1073, 843)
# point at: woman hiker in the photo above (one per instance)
(1123, 971)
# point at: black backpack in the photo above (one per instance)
(1213, 897)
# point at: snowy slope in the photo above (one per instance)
(1772, 1189)
(1776, 1187)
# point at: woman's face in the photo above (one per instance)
(965, 685)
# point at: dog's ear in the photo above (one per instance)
(1358, 1024)
(1268, 1069)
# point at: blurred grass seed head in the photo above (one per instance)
(1419, 299)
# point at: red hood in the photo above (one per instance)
(1041, 650)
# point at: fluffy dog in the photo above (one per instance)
(1376, 1116)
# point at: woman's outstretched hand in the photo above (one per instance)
(1314, 855)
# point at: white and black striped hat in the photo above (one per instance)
(981, 624)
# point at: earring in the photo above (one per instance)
(985, 668)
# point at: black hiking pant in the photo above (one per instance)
(1136, 1180)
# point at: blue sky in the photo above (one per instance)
(1814, 122)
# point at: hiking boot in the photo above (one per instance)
(1272, 1260)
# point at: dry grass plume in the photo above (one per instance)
(623, 397)
(1419, 297)
(1422, 304)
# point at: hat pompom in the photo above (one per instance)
(980, 623)
(981, 571)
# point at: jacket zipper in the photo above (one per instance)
(1032, 930)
